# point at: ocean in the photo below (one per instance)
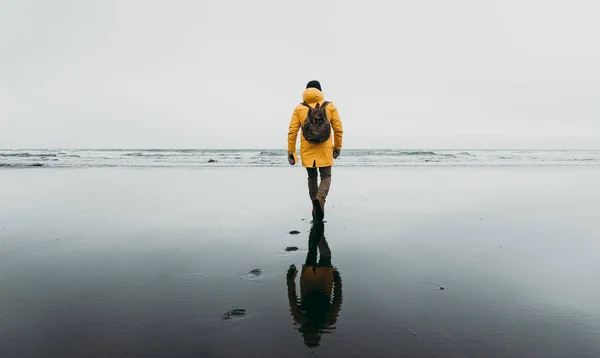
(273, 158)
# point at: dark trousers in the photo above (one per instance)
(314, 188)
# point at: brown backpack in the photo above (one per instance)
(316, 127)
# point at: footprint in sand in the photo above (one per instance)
(236, 313)
(255, 272)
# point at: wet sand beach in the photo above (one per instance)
(411, 262)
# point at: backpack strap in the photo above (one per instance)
(322, 106)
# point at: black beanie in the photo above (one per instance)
(314, 84)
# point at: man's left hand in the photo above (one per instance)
(336, 153)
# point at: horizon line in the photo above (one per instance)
(283, 149)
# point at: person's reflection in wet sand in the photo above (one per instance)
(320, 290)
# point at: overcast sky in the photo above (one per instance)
(227, 74)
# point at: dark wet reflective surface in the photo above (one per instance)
(116, 263)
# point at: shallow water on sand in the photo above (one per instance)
(161, 262)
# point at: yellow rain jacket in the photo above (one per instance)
(315, 154)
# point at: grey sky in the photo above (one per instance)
(227, 74)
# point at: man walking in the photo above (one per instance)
(318, 149)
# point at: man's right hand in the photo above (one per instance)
(291, 159)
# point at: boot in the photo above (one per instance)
(319, 208)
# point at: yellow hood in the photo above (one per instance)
(312, 95)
